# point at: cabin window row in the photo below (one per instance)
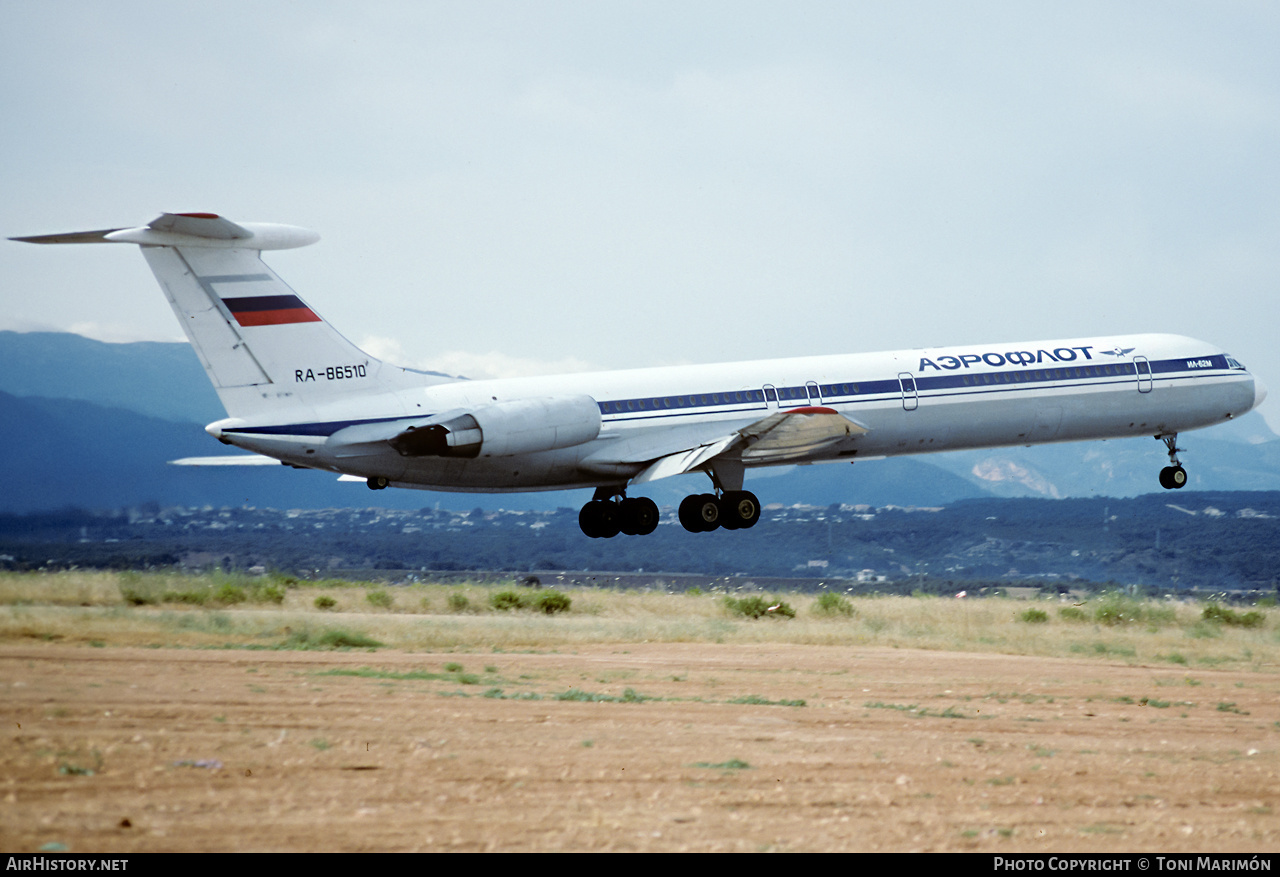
(737, 397)
(1050, 374)
(697, 400)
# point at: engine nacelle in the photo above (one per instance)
(504, 429)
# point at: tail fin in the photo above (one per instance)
(262, 346)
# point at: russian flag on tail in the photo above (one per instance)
(270, 310)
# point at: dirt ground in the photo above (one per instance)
(121, 749)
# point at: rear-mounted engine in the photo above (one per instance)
(506, 428)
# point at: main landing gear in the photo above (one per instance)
(1172, 477)
(733, 510)
(605, 517)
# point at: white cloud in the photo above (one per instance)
(478, 366)
(117, 333)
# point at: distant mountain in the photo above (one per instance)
(1242, 455)
(159, 379)
(56, 453)
(89, 424)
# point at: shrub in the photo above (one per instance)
(340, 639)
(379, 598)
(831, 603)
(1117, 609)
(1222, 615)
(1072, 613)
(229, 594)
(329, 639)
(136, 596)
(552, 602)
(136, 590)
(324, 601)
(270, 594)
(194, 598)
(505, 601)
(1035, 616)
(459, 603)
(756, 606)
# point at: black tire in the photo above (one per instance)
(599, 519)
(608, 517)
(740, 510)
(708, 512)
(688, 514)
(639, 516)
(700, 513)
(1173, 478)
(587, 521)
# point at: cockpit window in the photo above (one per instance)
(1232, 362)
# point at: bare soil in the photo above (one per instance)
(121, 749)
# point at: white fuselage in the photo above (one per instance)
(909, 401)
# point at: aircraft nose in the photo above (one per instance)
(1259, 391)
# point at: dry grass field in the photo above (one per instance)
(163, 712)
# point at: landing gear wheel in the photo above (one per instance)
(377, 483)
(700, 513)
(688, 514)
(1173, 477)
(739, 510)
(638, 516)
(599, 519)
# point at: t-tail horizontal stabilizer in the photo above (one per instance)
(190, 230)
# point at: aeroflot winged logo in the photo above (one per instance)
(1016, 357)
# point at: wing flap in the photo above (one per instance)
(780, 437)
(798, 433)
(685, 461)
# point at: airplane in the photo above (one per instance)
(299, 393)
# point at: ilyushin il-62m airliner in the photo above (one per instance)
(298, 392)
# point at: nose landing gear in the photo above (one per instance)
(1172, 477)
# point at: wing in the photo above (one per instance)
(786, 436)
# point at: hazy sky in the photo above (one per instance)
(516, 187)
